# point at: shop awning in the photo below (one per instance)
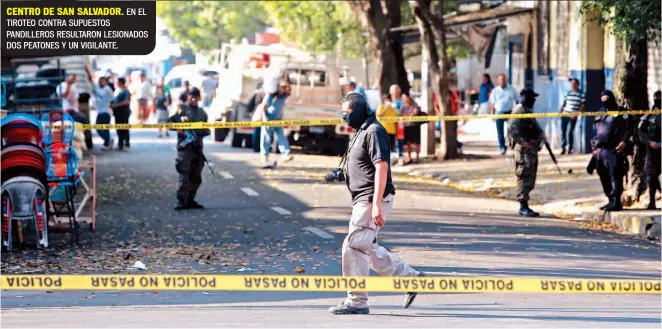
(480, 33)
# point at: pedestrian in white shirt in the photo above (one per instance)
(103, 95)
(502, 100)
(68, 94)
(144, 94)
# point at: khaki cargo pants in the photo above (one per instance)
(360, 250)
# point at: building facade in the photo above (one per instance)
(554, 43)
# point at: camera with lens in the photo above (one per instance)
(336, 174)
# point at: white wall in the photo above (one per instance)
(470, 71)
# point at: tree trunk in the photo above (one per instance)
(395, 16)
(620, 74)
(378, 17)
(633, 89)
(429, 26)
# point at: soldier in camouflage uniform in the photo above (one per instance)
(525, 138)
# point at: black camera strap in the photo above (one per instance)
(351, 143)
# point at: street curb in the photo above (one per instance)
(635, 222)
(629, 222)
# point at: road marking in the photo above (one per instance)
(319, 232)
(281, 211)
(249, 191)
(226, 175)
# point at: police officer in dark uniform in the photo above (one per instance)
(612, 135)
(190, 159)
(526, 138)
(649, 133)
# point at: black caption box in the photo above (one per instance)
(59, 28)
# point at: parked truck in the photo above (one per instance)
(313, 96)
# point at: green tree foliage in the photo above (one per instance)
(312, 25)
(316, 25)
(205, 25)
(634, 20)
(459, 49)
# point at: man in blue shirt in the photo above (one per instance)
(122, 112)
(502, 100)
(273, 108)
(484, 94)
(396, 102)
(353, 88)
(103, 95)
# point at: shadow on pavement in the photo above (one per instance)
(529, 317)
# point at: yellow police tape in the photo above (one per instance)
(331, 122)
(327, 283)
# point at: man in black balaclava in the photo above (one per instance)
(368, 177)
(526, 138)
(612, 135)
(190, 159)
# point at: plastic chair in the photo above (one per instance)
(23, 200)
(23, 171)
(58, 127)
(21, 128)
(23, 159)
(62, 172)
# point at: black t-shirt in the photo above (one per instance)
(370, 145)
(161, 102)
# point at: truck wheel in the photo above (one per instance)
(340, 145)
(220, 134)
(236, 140)
(249, 141)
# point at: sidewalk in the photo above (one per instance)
(574, 194)
(484, 170)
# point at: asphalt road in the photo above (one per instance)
(275, 221)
